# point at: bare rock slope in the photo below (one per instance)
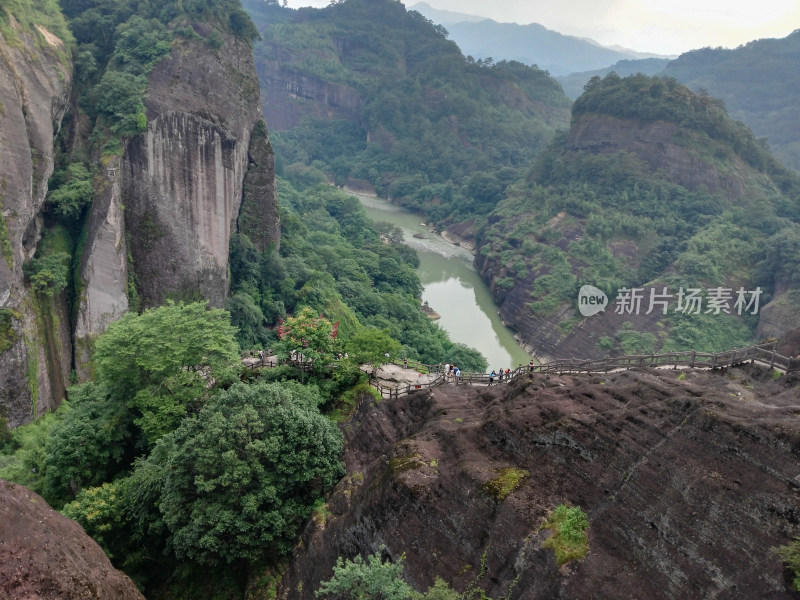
(43, 554)
(688, 482)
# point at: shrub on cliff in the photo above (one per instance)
(791, 558)
(569, 540)
(371, 579)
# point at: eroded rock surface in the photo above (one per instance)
(35, 78)
(182, 180)
(688, 480)
(45, 555)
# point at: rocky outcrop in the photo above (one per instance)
(258, 216)
(654, 143)
(688, 481)
(43, 554)
(35, 76)
(289, 97)
(103, 267)
(182, 179)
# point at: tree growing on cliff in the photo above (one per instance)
(371, 579)
(372, 346)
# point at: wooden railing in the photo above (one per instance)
(764, 354)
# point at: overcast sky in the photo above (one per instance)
(661, 26)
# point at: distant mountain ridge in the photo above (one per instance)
(758, 81)
(530, 44)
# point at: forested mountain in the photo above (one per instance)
(759, 83)
(531, 44)
(366, 91)
(139, 199)
(653, 188)
(574, 82)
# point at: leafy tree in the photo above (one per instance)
(309, 335)
(372, 579)
(167, 361)
(48, 274)
(244, 474)
(371, 346)
(88, 446)
(120, 99)
(101, 512)
(26, 461)
(74, 194)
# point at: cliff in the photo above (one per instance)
(183, 178)
(688, 482)
(35, 76)
(163, 206)
(43, 554)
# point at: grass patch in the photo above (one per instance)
(506, 482)
(570, 540)
(790, 554)
(8, 336)
(406, 463)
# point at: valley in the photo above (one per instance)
(188, 184)
(453, 288)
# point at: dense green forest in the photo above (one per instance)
(437, 132)
(570, 220)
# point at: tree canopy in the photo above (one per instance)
(244, 474)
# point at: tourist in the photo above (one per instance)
(491, 377)
(405, 362)
(530, 366)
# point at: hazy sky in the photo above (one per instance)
(662, 26)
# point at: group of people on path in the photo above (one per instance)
(499, 374)
(452, 373)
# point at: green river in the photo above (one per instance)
(453, 288)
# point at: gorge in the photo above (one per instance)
(173, 198)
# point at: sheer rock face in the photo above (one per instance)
(182, 180)
(104, 267)
(688, 484)
(43, 554)
(289, 98)
(34, 89)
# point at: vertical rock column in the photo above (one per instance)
(35, 79)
